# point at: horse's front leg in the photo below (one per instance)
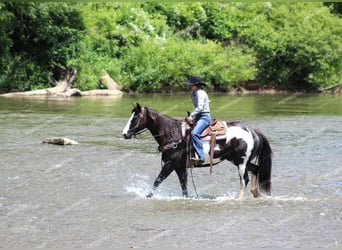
(164, 173)
(183, 179)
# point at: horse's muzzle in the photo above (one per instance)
(128, 135)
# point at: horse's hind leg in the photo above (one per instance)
(254, 188)
(183, 179)
(240, 160)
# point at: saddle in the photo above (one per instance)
(216, 128)
(216, 131)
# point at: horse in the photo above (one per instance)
(248, 149)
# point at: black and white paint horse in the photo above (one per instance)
(246, 148)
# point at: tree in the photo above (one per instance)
(153, 46)
(39, 38)
(298, 45)
(335, 7)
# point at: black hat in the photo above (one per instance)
(195, 80)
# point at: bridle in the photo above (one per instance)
(134, 134)
(141, 115)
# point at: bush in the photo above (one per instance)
(298, 45)
(158, 65)
(151, 47)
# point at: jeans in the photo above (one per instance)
(202, 120)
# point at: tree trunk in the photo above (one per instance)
(109, 82)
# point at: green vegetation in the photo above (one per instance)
(37, 41)
(153, 47)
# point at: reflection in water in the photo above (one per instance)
(223, 106)
(92, 194)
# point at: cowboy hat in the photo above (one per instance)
(195, 80)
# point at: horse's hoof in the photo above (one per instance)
(149, 195)
(255, 193)
(240, 198)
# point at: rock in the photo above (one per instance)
(59, 141)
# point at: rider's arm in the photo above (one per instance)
(199, 102)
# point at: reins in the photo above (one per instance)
(188, 159)
(189, 165)
(173, 144)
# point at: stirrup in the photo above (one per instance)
(196, 160)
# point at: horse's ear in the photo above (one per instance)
(138, 106)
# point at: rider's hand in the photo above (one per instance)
(189, 120)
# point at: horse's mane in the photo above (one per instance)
(165, 117)
(165, 122)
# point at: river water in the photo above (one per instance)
(92, 194)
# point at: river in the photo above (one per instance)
(93, 194)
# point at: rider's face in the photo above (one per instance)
(193, 87)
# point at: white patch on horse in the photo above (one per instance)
(206, 152)
(126, 128)
(240, 133)
(232, 132)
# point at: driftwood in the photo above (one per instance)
(109, 82)
(59, 141)
(71, 92)
(336, 89)
(101, 92)
(65, 88)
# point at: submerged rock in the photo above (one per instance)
(59, 141)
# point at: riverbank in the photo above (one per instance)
(72, 93)
(337, 89)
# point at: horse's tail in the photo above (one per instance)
(265, 164)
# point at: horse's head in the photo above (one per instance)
(137, 122)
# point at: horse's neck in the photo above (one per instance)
(163, 128)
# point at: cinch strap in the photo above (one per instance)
(171, 145)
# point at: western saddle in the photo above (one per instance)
(216, 131)
(217, 128)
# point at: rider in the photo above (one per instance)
(201, 114)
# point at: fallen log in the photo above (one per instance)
(64, 88)
(101, 92)
(336, 89)
(39, 92)
(58, 90)
(71, 92)
(61, 86)
(59, 141)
